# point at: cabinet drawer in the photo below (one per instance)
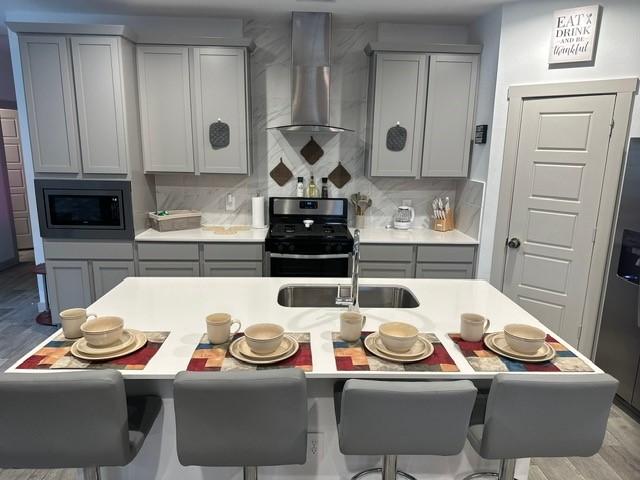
(167, 251)
(386, 270)
(169, 269)
(386, 253)
(70, 250)
(233, 251)
(233, 269)
(446, 253)
(444, 270)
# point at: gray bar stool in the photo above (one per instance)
(542, 415)
(393, 418)
(241, 419)
(71, 420)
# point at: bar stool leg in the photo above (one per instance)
(389, 470)
(250, 473)
(507, 471)
(91, 473)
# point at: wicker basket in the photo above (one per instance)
(175, 220)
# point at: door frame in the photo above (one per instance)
(624, 89)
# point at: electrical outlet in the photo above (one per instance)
(231, 202)
(315, 446)
(406, 203)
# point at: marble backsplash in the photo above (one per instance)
(271, 106)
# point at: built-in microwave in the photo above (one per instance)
(91, 209)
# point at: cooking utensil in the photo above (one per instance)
(312, 152)
(281, 174)
(339, 176)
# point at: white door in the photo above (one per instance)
(561, 160)
(17, 183)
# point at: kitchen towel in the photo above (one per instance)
(354, 356)
(257, 212)
(482, 359)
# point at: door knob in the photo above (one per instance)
(513, 242)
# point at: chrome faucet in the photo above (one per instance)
(352, 300)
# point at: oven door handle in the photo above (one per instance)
(309, 257)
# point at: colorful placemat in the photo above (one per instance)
(57, 355)
(353, 356)
(216, 358)
(482, 359)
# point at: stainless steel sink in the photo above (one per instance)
(324, 296)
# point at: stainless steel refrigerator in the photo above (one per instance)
(618, 348)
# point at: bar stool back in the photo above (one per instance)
(391, 418)
(244, 418)
(543, 415)
(71, 420)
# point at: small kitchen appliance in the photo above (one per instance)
(308, 237)
(403, 219)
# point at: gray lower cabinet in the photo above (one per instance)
(233, 269)
(68, 285)
(386, 270)
(168, 269)
(444, 270)
(108, 274)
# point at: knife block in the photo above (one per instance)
(444, 224)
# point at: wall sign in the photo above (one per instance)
(574, 35)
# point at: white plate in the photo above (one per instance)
(125, 341)
(415, 351)
(370, 344)
(236, 352)
(139, 342)
(497, 344)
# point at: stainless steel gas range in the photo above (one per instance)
(308, 237)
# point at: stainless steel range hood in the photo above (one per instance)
(310, 74)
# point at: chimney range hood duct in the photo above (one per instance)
(310, 74)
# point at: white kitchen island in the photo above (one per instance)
(179, 305)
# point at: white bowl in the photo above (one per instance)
(102, 331)
(524, 338)
(264, 338)
(398, 336)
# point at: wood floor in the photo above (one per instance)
(618, 459)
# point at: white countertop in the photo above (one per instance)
(419, 236)
(252, 235)
(414, 236)
(179, 305)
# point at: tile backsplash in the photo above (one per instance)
(271, 105)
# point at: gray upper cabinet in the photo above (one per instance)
(431, 96)
(99, 99)
(78, 103)
(219, 80)
(451, 98)
(165, 108)
(51, 111)
(398, 84)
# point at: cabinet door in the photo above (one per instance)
(233, 269)
(98, 79)
(399, 94)
(51, 110)
(444, 270)
(220, 94)
(451, 98)
(108, 274)
(169, 269)
(165, 108)
(386, 270)
(68, 285)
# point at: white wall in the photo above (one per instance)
(8, 247)
(524, 45)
